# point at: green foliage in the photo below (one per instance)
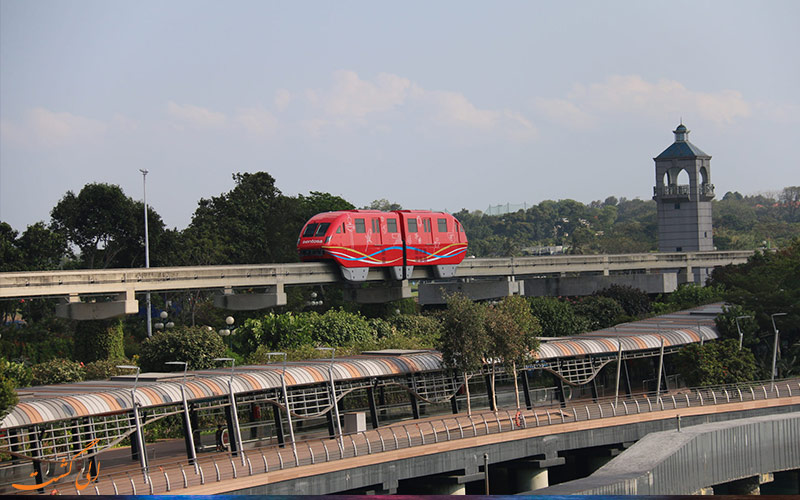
(339, 327)
(726, 324)
(96, 340)
(634, 301)
(106, 225)
(464, 340)
(57, 371)
(20, 374)
(598, 311)
(8, 396)
(104, 369)
(557, 317)
(426, 328)
(38, 342)
(276, 331)
(716, 363)
(690, 295)
(195, 345)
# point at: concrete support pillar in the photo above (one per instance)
(378, 294)
(530, 479)
(274, 296)
(444, 488)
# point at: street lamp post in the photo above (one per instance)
(187, 421)
(137, 422)
(285, 398)
(774, 349)
(333, 393)
(146, 249)
(619, 364)
(738, 329)
(660, 364)
(234, 411)
(227, 331)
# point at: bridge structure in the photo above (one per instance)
(98, 294)
(329, 401)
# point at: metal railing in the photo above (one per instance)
(174, 477)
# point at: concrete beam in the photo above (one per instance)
(81, 311)
(586, 285)
(275, 296)
(435, 293)
(378, 294)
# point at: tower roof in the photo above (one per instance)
(681, 148)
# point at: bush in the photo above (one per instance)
(339, 328)
(19, 373)
(104, 369)
(57, 371)
(634, 301)
(8, 396)
(196, 345)
(716, 363)
(690, 295)
(600, 312)
(37, 343)
(557, 317)
(422, 327)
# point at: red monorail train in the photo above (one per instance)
(360, 239)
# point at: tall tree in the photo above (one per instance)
(106, 225)
(464, 341)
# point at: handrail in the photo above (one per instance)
(175, 475)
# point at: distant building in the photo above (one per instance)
(683, 194)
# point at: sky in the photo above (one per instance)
(433, 105)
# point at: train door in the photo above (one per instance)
(375, 239)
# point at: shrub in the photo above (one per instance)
(8, 396)
(104, 369)
(423, 327)
(600, 312)
(196, 345)
(557, 317)
(691, 295)
(716, 363)
(19, 373)
(57, 371)
(634, 301)
(339, 328)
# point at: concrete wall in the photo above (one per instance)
(586, 285)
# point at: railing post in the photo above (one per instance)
(715, 396)
(474, 430)
(740, 394)
(574, 414)
(625, 406)
(766, 396)
(674, 403)
(216, 467)
(114, 484)
(202, 475)
(638, 409)
(421, 435)
(688, 403)
(355, 448)
(727, 397)
(166, 480)
(536, 416)
(327, 453)
(280, 459)
(185, 480)
(485, 423)
(383, 445)
(264, 458)
(310, 452)
(599, 407)
(588, 415)
(233, 467)
(435, 436)
(549, 422)
(446, 429)
(752, 393)
(408, 435)
(394, 435)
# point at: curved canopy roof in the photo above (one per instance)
(66, 401)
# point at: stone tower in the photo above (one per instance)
(683, 194)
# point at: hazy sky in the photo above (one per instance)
(442, 105)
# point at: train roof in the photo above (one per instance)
(66, 401)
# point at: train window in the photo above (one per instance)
(426, 223)
(340, 229)
(322, 229)
(309, 230)
(391, 225)
(412, 225)
(361, 226)
(376, 225)
(442, 225)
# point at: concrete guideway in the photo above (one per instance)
(388, 454)
(270, 279)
